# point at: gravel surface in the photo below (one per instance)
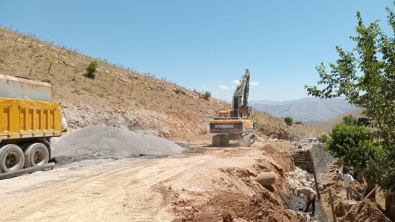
(103, 142)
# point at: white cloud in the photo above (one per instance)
(237, 82)
(253, 83)
(224, 87)
(204, 86)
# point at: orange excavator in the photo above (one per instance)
(235, 124)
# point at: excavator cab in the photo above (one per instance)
(224, 114)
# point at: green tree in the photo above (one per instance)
(366, 77)
(288, 121)
(91, 70)
(351, 143)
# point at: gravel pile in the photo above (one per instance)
(102, 142)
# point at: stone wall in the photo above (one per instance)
(303, 159)
(313, 154)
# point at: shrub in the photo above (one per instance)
(352, 144)
(207, 95)
(323, 138)
(91, 70)
(288, 121)
(177, 91)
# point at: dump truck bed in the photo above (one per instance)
(21, 118)
(20, 88)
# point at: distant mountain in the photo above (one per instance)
(306, 110)
(328, 124)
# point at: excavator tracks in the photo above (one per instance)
(223, 140)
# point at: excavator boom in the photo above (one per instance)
(241, 93)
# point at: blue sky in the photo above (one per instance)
(204, 44)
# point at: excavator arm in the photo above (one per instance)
(241, 95)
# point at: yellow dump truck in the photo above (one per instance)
(28, 119)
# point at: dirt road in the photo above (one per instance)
(209, 184)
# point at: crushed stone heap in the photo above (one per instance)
(102, 142)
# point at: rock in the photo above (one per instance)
(227, 218)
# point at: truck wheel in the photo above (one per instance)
(11, 158)
(36, 154)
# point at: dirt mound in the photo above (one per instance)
(102, 142)
(235, 196)
(362, 211)
(236, 207)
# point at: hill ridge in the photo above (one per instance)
(306, 110)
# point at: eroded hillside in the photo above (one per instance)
(124, 98)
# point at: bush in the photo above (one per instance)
(350, 120)
(351, 143)
(91, 70)
(177, 91)
(323, 138)
(207, 95)
(288, 121)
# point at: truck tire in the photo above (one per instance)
(36, 154)
(11, 158)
